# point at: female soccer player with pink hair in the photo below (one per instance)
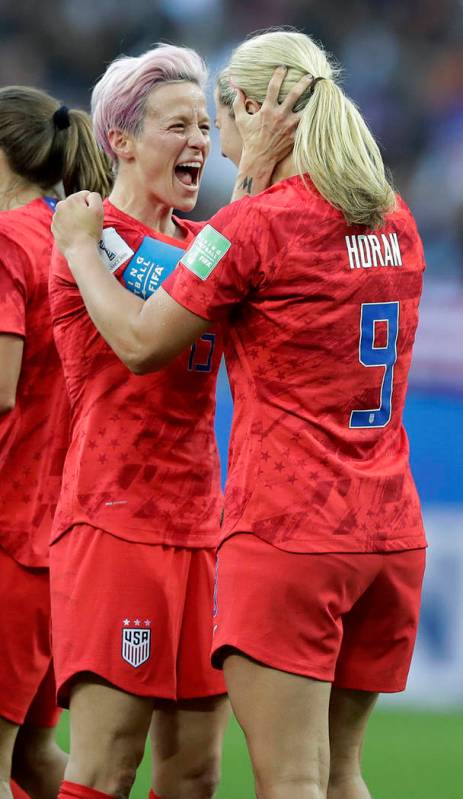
(137, 523)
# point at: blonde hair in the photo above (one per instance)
(44, 153)
(333, 144)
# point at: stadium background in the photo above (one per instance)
(403, 63)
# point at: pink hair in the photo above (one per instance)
(119, 97)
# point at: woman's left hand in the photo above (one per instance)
(268, 134)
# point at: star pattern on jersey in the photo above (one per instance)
(35, 459)
(136, 622)
(132, 449)
(290, 466)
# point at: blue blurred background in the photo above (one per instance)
(403, 62)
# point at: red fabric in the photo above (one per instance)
(26, 675)
(17, 791)
(71, 790)
(44, 711)
(345, 618)
(299, 475)
(143, 462)
(102, 586)
(34, 435)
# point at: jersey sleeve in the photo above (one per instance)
(223, 264)
(59, 268)
(190, 225)
(65, 297)
(14, 289)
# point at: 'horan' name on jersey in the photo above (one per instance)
(371, 250)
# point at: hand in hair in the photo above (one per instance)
(268, 130)
(78, 221)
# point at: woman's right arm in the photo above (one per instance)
(13, 300)
(11, 353)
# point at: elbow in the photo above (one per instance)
(142, 355)
(139, 367)
(7, 403)
(142, 363)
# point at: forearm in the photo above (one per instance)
(11, 353)
(115, 312)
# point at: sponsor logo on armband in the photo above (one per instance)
(136, 642)
(152, 263)
(113, 249)
(206, 252)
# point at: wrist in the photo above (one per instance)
(256, 167)
(80, 251)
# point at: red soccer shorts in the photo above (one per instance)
(137, 615)
(27, 686)
(350, 619)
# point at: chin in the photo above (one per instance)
(186, 204)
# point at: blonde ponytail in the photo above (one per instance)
(335, 147)
(333, 144)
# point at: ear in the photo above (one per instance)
(121, 143)
(251, 106)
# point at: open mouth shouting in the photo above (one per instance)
(189, 173)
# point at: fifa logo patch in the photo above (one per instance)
(208, 248)
(136, 642)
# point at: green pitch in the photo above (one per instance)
(408, 755)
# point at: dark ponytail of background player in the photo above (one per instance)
(333, 144)
(47, 144)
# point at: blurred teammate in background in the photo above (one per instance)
(42, 144)
(320, 569)
(138, 519)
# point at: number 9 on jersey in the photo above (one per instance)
(372, 355)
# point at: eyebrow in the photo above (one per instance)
(180, 112)
(184, 116)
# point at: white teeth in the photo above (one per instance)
(196, 164)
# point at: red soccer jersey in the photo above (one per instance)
(322, 319)
(143, 462)
(33, 436)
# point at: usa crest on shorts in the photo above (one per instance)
(136, 642)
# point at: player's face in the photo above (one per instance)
(230, 140)
(171, 150)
